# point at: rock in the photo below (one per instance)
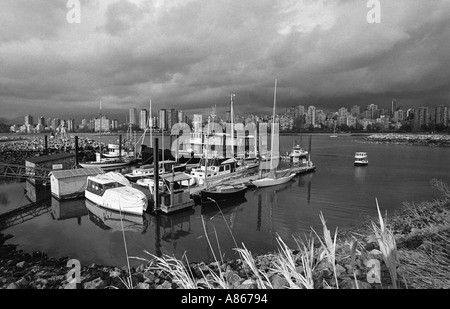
(326, 273)
(349, 269)
(351, 284)
(279, 282)
(21, 264)
(248, 284)
(375, 254)
(166, 285)
(94, 284)
(12, 286)
(149, 277)
(339, 270)
(234, 280)
(22, 283)
(143, 286)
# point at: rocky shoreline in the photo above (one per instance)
(422, 247)
(429, 140)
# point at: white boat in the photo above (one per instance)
(113, 220)
(361, 159)
(274, 177)
(113, 152)
(113, 191)
(106, 162)
(272, 181)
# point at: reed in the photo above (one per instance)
(329, 247)
(263, 281)
(388, 247)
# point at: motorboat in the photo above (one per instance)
(361, 159)
(113, 191)
(147, 170)
(217, 171)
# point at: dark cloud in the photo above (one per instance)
(191, 54)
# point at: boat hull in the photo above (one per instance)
(268, 182)
(206, 195)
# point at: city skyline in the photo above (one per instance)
(192, 55)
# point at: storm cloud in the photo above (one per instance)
(192, 54)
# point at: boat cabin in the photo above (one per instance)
(174, 196)
(99, 185)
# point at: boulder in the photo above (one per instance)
(351, 284)
(279, 282)
(94, 284)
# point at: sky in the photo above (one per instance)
(192, 54)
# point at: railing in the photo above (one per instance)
(21, 171)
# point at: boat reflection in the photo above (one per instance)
(37, 193)
(360, 174)
(68, 209)
(214, 208)
(111, 220)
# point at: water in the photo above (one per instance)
(343, 193)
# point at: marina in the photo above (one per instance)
(343, 192)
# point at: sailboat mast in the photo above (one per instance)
(232, 123)
(272, 148)
(150, 123)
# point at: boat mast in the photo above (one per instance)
(150, 123)
(232, 123)
(272, 148)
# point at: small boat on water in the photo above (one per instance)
(214, 171)
(361, 159)
(274, 180)
(147, 170)
(106, 162)
(223, 193)
(113, 191)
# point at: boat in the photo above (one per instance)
(274, 180)
(106, 162)
(297, 153)
(149, 181)
(147, 170)
(173, 196)
(223, 193)
(113, 191)
(216, 171)
(115, 152)
(274, 177)
(114, 221)
(361, 159)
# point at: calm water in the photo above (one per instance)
(344, 193)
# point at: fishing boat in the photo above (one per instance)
(361, 159)
(113, 191)
(214, 171)
(149, 181)
(223, 193)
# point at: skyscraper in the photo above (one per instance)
(441, 115)
(162, 119)
(355, 111)
(393, 106)
(133, 116)
(421, 117)
(28, 120)
(143, 121)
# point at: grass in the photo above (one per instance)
(420, 260)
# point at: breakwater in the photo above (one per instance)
(16, 151)
(429, 140)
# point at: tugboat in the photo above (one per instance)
(361, 159)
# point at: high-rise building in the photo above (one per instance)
(441, 115)
(311, 119)
(301, 110)
(172, 118)
(70, 125)
(162, 119)
(181, 116)
(41, 121)
(102, 123)
(373, 111)
(421, 117)
(355, 111)
(114, 124)
(143, 120)
(55, 123)
(393, 106)
(133, 117)
(28, 120)
(343, 112)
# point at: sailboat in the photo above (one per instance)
(274, 177)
